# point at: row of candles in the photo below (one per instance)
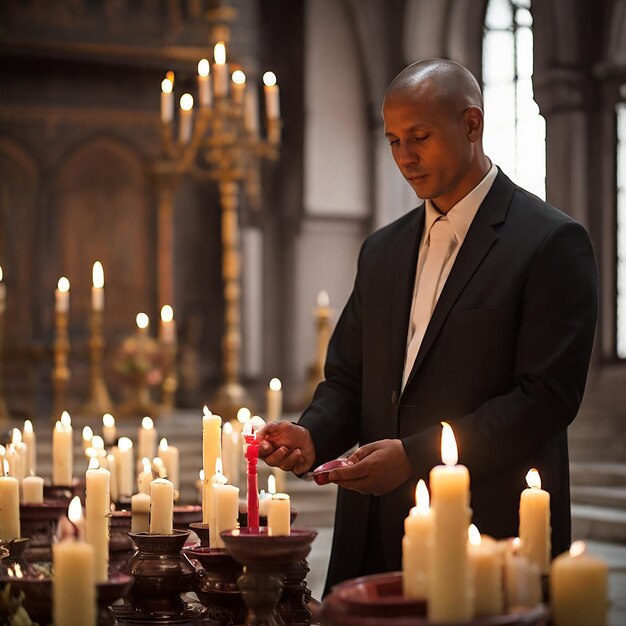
(216, 82)
(461, 574)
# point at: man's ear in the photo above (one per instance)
(473, 119)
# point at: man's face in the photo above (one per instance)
(430, 146)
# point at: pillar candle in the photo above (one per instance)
(97, 291)
(231, 453)
(186, 118)
(167, 101)
(418, 529)
(161, 507)
(578, 588)
(62, 452)
(274, 400)
(238, 87)
(171, 460)
(109, 431)
(486, 574)
(279, 515)
(534, 522)
(32, 490)
(272, 98)
(211, 450)
(522, 580)
(145, 477)
(204, 88)
(217, 479)
(449, 585)
(9, 508)
(125, 474)
(146, 439)
(97, 507)
(21, 450)
(30, 439)
(113, 485)
(140, 510)
(62, 296)
(226, 510)
(220, 71)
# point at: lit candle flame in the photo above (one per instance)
(474, 535)
(97, 274)
(125, 444)
(533, 479)
(243, 415)
(257, 422)
(167, 85)
(167, 313)
(108, 420)
(28, 426)
(206, 412)
(269, 79)
(1, 274)
(275, 384)
(147, 467)
(449, 452)
(75, 511)
(227, 429)
(147, 423)
(201, 475)
(218, 465)
(247, 429)
(142, 320)
(17, 436)
(271, 484)
(323, 301)
(97, 442)
(219, 53)
(2, 451)
(66, 420)
(87, 433)
(170, 76)
(94, 463)
(5, 465)
(516, 544)
(186, 102)
(239, 78)
(163, 444)
(422, 497)
(203, 67)
(577, 548)
(63, 285)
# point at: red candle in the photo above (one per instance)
(252, 458)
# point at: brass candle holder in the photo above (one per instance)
(99, 399)
(169, 385)
(61, 371)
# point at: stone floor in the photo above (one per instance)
(598, 492)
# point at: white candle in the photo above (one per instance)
(171, 460)
(186, 118)
(140, 510)
(74, 582)
(238, 87)
(30, 439)
(9, 507)
(62, 452)
(272, 98)
(109, 431)
(220, 71)
(3, 294)
(274, 400)
(62, 296)
(97, 507)
(87, 437)
(217, 479)
(125, 462)
(145, 477)
(146, 439)
(418, 529)
(251, 111)
(168, 325)
(534, 522)
(21, 468)
(449, 586)
(522, 580)
(113, 486)
(167, 100)
(231, 453)
(204, 89)
(32, 490)
(279, 515)
(97, 291)
(211, 450)
(578, 588)
(161, 507)
(226, 510)
(486, 574)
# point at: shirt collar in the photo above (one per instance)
(464, 211)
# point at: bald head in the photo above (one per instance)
(443, 82)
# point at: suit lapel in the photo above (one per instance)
(405, 265)
(479, 240)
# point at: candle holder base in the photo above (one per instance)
(266, 559)
(228, 399)
(186, 514)
(181, 613)
(121, 546)
(39, 522)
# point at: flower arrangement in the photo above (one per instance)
(139, 359)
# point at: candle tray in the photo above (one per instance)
(378, 601)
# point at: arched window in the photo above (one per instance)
(515, 133)
(621, 230)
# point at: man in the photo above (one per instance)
(477, 308)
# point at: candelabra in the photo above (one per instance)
(61, 371)
(99, 400)
(225, 144)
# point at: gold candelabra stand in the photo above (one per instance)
(226, 146)
(170, 375)
(99, 401)
(61, 371)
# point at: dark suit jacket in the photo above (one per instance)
(504, 359)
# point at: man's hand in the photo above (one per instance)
(378, 468)
(287, 446)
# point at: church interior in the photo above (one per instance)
(240, 212)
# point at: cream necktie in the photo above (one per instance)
(426, 295)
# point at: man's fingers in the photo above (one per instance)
(291, 460)
(277, 457)
(360, 453)
(354, 472)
